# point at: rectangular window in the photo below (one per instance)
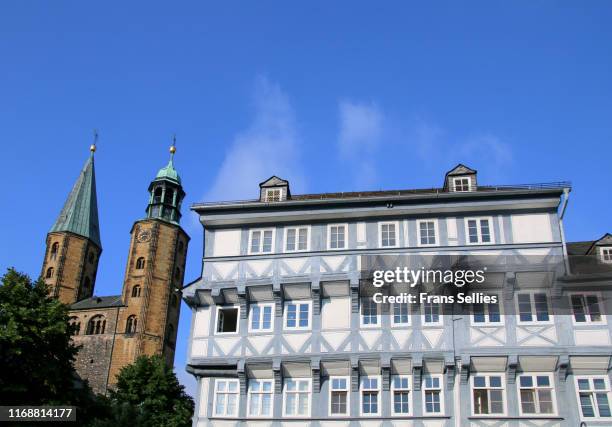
(370, 394)
(606, 255)
(533, 307)
(431, 313)
(227, 320)
(401, 314)
(432, 394)
(461, 184)
(594, 397)
(273, 195)
(400, 392)
(261, 318)
(337, 236)
(536, 394)
(226, 398)
(297, 315)
(488, 394)
(586, 308)
(388, 234)
(427, 232)
(261, 241)
(296, 399)
(339, 396)
(486, 314)
(261, 398)
(369, 313)
(296, 239)
(479, 230)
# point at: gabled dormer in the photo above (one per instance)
(603, 248)
(460, 179)
(274, 189)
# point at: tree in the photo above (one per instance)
(36, 353)
(149, 394)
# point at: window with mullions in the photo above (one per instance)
(296, 397)
(431, 313)
(297, 315)
(461, 184)
(296, 239)
(486, 314)
(370, 393)
(261, 398)
(226, 398)
(337, 237)
(479, 230)
(533, 307)
(261, 317)
(606, 255)
(586, 309)
(432, 395)
(400, 392)
(401, 314)
(427, 233)
(369, 313)
(488, 395)
(594, 397)
(339, 396)
(261, 241)
(388, 235)
(536, 394)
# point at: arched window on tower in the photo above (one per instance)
(136, 291)
(157, 195)
(130, 325)
(76, 324)
(169, 196)
(173, 300)
(49, 273)
(54, 250)
(140, 263)
(170, 336)
(96, 325)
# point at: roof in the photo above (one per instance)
(168, 172)
(274, 181)
(460, 169)
(585, 248)
(98, 302)
(80, 212)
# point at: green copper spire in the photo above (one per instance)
(166, 193)
(168, 172)
(80, 212)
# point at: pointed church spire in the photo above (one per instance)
(80, 212)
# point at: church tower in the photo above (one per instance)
(147, 325)
(73, 243)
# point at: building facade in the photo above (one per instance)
(283, 335)
(143, 320)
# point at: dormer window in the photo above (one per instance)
(606, 255)
(274, 189)
(273, 195)
(461, 184)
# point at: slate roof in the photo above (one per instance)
(98, 302)
(80, 212)
(579, 248)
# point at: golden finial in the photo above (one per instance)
(173, 146)
(92, 147)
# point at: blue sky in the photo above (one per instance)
(330, 95)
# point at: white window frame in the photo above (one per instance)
(297, 326)
(221, 307)
(392, 315)
(587, 313)
(436, 233)
(461, 178)
(606, 251)
(297, 228)
(348, 395)
(216, 393)
(262, 230)
(440, 321)
(261, 306)
(592, 390)
(346, 237)
(392, 394)
(534, 313)
(487, 321)
(424, 393)
(479, 220)
(488, 387)
(261, 393)
(273, 190)
(553, 393)
(378, 389)
(297, 379)
(395, 224)
(361, 315)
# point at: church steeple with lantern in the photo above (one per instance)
(166, 192)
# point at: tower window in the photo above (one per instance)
(136, 291)
(96, 325)
(157, 195)
(54, 249)
(169, 197)
(140, 263)
(49, 273)
(130, 325)
(74, 322)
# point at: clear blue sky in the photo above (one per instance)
(331, 95)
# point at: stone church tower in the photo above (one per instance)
(114, 330)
